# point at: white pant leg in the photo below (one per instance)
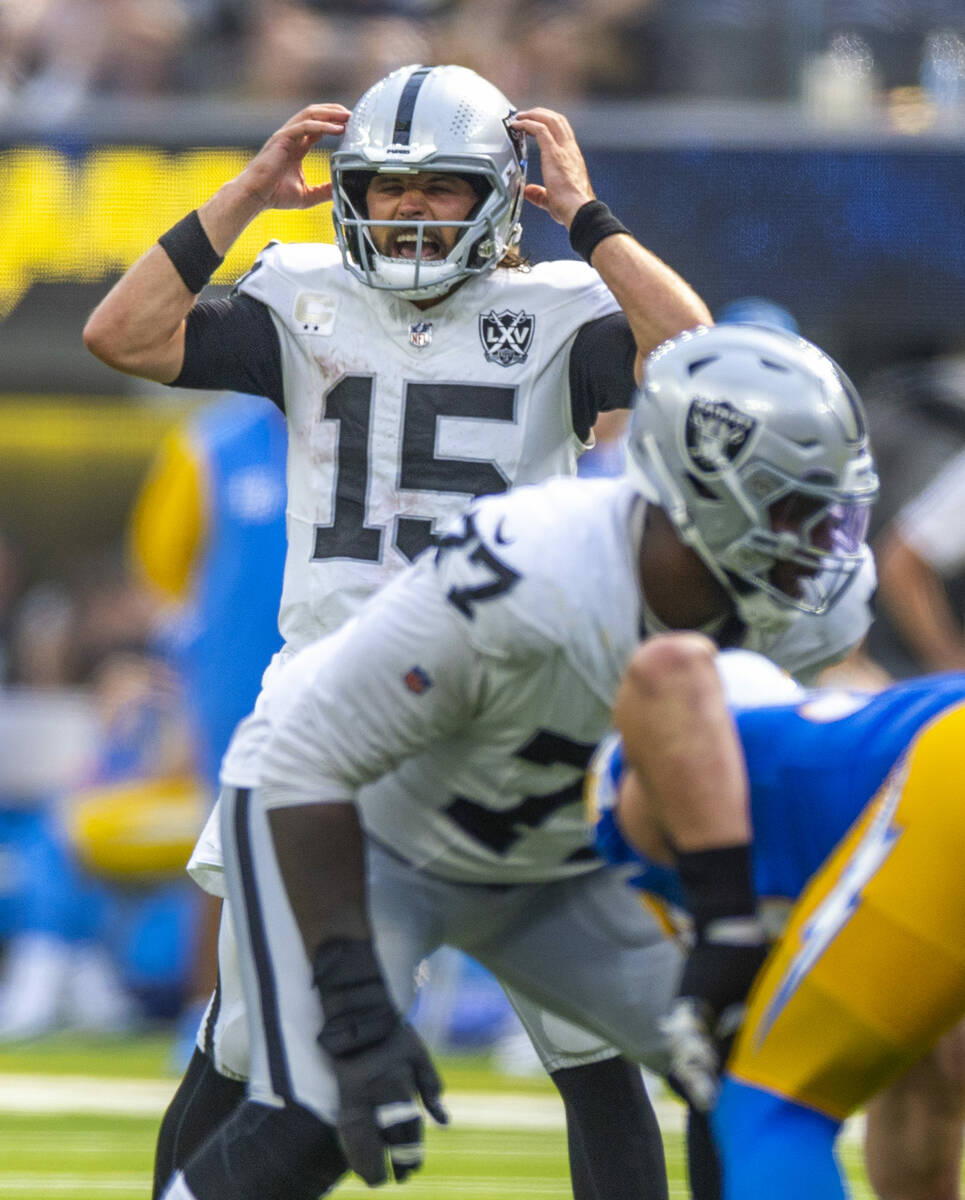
(282, 1005)
(559, 1044)
(586, 950)
(583, 948)
(284, 1014)
(223, 1033)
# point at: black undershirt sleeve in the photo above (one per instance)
(601, 370)
(232, 344)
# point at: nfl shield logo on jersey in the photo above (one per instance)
(420, 334)
(716, 433)
(506, 336)
(417, 680)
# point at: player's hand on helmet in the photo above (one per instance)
(275, 176)
(566, 182)
(381, 1067)
(379, 1088)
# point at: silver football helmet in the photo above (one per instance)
(753, 441)
(445, 119)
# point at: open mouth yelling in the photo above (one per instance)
(405, 244)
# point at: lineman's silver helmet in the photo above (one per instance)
(446, 119)
(753, 441)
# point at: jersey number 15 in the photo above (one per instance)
(348, 535)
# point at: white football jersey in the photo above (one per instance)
(399, 417)
(463, 704)
(490, 669)
(462, 707)
(751, 680)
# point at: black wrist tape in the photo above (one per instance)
(718, 883)
(355, 1000)
(592, 223)
(190, 251)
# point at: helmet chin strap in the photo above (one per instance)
(399, 270)
(758, 611)
(455, 267)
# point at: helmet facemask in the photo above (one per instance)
(490, 229)
(805, 556)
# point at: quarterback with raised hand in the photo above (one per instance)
(420, 362)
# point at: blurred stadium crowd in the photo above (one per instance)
(54, 54)
(110, 756)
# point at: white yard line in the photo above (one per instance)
(149, 1097)
(84, 1094)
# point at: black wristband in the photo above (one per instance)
(355, 1000)
(717, 883)
(592, 223)
(190, 251)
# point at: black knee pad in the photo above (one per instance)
(263, 1153)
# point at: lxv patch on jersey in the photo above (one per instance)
(506, 336)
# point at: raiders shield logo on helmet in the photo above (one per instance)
(715, 433)
(506, 336)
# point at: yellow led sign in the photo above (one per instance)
(83, 219)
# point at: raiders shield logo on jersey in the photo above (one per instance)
(506, 336)
(716, 433)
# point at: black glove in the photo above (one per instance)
(380, 1064)
(729, 949)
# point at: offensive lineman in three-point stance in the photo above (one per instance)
(454, 718)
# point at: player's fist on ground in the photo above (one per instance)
(381, 1067)
(379, 1088)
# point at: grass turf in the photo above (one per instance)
(93, 1156)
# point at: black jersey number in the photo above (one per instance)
(500, 829)
(349, 403)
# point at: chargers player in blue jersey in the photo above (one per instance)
(207, 537)
(836, 815)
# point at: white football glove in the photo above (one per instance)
(694, 1060)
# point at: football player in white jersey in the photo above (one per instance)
(453, 720)
(419, 363)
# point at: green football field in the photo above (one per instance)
(78, 1119)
